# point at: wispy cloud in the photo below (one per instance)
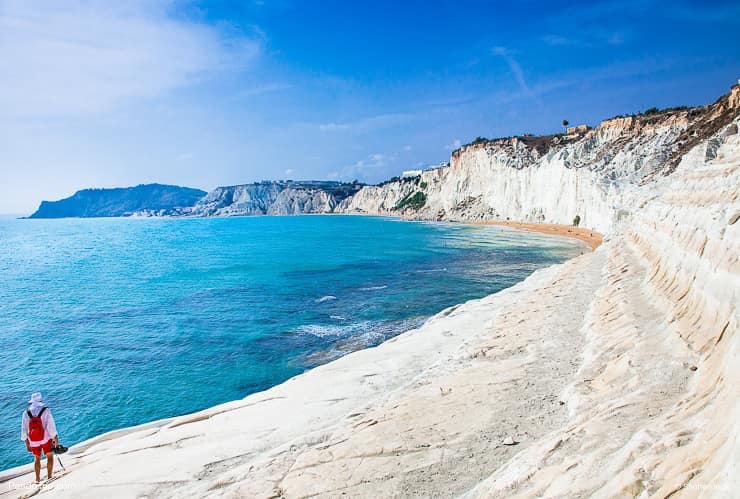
(334, 127)
(558, 40)
(256, 90)
(588, 38)
(589, 75)
(612, 71)
(67, 58)
(516, 69)
(368, 124)
(455, 144)
(372, 166)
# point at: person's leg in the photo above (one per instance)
(49, 464)
(37, 466)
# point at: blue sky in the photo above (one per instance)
(209, 93)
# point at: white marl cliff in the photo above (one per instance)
(273, 198)
(615, 374)
(551, 179)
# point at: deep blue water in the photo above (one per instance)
(123, 321)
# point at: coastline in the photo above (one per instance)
(355, 379)
(613, 374)
(80, 448)
(414, 414)
(592, 238)
(561, 354)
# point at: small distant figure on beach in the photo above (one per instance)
(39, 432)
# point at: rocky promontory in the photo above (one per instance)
(148, 199)
(278, 197)
(275, 198)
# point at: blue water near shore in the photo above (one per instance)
(123, 321)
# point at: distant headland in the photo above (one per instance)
(282, 197)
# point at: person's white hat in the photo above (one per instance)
(36, 398)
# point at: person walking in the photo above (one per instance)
(39, 432)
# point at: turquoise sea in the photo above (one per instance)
(122, 321)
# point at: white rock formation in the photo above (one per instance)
(553, 179)
(617, 372)
(273, 198)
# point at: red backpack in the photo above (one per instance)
(36, 426)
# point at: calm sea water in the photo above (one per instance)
(123, 321)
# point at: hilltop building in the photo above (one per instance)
(577, 129)
(410, 173)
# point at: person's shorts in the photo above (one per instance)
(43, 447)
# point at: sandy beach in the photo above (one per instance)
(592, 238)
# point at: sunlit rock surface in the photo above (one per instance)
(615, 374)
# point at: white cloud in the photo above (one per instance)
(590, 38)
(514, 66)
(374, 166)
(289, 172)
(75, 57)
(334, 127)
(368, 124)
(456, 144)
(558, 40)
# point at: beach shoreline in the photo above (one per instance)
(614, 374)
(592, 238)
(81, 447)
(414, 414)
(407, 357)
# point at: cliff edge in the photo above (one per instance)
(615, 374)
(593, 174)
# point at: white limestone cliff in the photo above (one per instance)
(273, 198)
(615, 374)
(655, 405)
(553, 179)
